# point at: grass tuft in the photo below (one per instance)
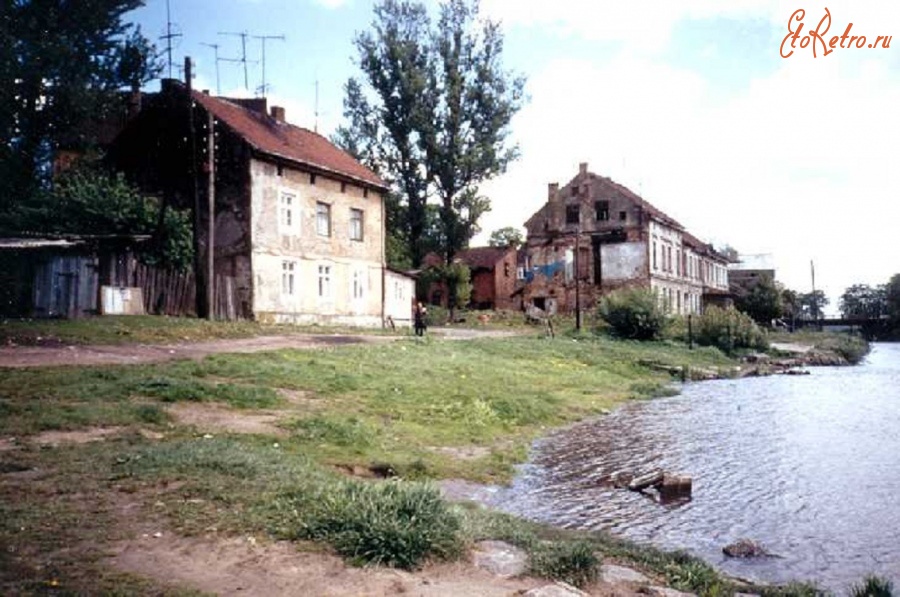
(571, 562)
(873, 586)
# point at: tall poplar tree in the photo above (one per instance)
(432, 114)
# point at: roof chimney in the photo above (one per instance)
(582, 168)
(277, 113)
(552, 189)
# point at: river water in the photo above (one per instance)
(808, 466)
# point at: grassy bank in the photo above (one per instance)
(422, 410)
(144, 329)
(851, 347)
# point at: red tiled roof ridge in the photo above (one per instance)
(287, 141)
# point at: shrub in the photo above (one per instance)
(873, 586)
(726, 329)
(634, 313)
(392, 523)
(574, 563)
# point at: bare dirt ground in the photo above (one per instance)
(132, 354)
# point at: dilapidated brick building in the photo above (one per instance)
(299, 223)
(598, 233)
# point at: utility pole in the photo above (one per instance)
(262, 39)
(211, 216)
(200, 281)
(577, 283)
(815, 300)
(243, 59)
(169, 36)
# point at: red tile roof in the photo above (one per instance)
(283, 140)
(482, 257)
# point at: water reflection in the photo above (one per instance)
(806, 465)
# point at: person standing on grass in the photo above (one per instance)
(419, 313)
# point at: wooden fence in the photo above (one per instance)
(169, 292)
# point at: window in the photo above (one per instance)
(573, 214)
(601, 210)
(286, 216)
(506, 269)
(358, 286)
(398, 291)
(654, 255)
(287, 277)
(324, 281)
(323, 219)
(623, 215)
(520, 273)
(356, 224)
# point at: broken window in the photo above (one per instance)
(601, 209)
(573, 214)
(623, 215)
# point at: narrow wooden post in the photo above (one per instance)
(211, 217)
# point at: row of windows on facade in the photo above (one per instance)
(685, 264)
(358, 284)
(313, 178)
(672, 300)
(601, 212)
(288, 220)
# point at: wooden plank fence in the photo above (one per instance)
(170, 292)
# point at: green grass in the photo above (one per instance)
(392, 403)
(146, 329)
(852, 348)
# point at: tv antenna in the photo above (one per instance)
(215, 48)
(243, 59)
(169, 36)
(263, 38)
(316, 125)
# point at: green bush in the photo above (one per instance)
(574, 563)
(727, 329)
(392, 523)
(873, 586)
(634, 313)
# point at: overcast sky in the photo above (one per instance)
(688, 103)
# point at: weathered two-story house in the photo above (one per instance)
(598, 233)
(298, 223)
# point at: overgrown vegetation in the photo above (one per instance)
(729, 330)
(634, 314)
(873, 586)
(393, 523)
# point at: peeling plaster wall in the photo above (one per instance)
(353, 267)
(623, 261)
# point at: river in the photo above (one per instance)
(808, 466)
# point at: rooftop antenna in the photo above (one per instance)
(169, 36)
(262, 39)
(243, 59)
(215, 48)
(316, 125)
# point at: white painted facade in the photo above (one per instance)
(399, 294)
(317, 248)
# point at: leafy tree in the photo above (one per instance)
(86, 200)
(61, 65)
(812, 304)
(762, 301)
(508, 236)
(892, 302)
(434, 116)
(864, 301)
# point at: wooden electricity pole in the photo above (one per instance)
(577, 284)
(211, 216)
(201, 283)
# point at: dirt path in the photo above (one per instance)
(131, 354)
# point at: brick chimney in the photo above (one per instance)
(552, 190)
(582, 168)
(277, 112)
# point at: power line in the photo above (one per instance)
(262, 38)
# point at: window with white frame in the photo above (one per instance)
(398, 291)
(356, 224)
(287, 213)
(323, 219)
(287, 277)
(324, 282)
(358, 284)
